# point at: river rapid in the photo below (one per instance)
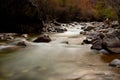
(64, 58)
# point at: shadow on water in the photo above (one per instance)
(109, 57)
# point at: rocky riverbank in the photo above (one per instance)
(104, 37)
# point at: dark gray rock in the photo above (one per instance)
(112, 41)
(109, 42)
(97, 44)
(88, 28)
(43, 38)
(22, 43)
(87, 41)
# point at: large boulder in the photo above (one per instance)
(110, 42)
(43, 38)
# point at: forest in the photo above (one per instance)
(18, 14)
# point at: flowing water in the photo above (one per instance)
(58, 61)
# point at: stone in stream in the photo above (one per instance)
(43, 38)
(115, 63)
(6, 36)
(87, 41)
(24, 35)
(22, 43)
(65, 42)
(109, 42)
(60, 30)
(89, 27)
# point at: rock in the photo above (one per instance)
(22, 43)
(97, 44)
(104, 30)
(65, 42)
(60, 30)
(97, 41)
(83, 27)
(24, 35)
(87, 41)
(114, 50)
(83, 32)
(64, 29)
(111, 41)
(88, 28)
(115, 63)
(107, 21)
(114, 24)
(43, 38)
(56, 23)
(103, 51)
(6, 36)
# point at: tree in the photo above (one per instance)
(115, 4)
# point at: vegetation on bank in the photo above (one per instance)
(78, 10)
(24, 14)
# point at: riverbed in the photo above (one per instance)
(64, 58)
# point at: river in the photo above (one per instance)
(58, 61)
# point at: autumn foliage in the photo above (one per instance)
(74, 10)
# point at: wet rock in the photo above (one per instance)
(60, 30)
(43, 38)
(83, 32)
(112, 41)
(103, 51)
(65, 42)
(114, 24)
(115, 63)
(51, 27)
(88, 27)
(22, 43)
(97, 42)
(7, 36)
(104, 30)
(107, 21)
(87, 41)
(109, 42)
(24, 35)
(56, 23)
